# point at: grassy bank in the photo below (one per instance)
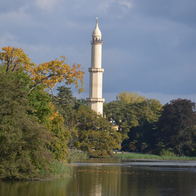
(56, 169)
(60, 168)
(149, 156)
(76, 155)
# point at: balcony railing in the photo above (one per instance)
(96, 41)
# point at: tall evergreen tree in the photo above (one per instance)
(65, 103)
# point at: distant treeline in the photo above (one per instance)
(147, 126)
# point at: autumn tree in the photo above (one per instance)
(35, 80)
(47, 74)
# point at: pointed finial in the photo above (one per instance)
(96, 32)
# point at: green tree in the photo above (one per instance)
(139, 119)
(96, 134)
(41, 104)
(65, 103)
(32, 131)
(130, 97)
(112, 111)
(136, 116)
(44, 77)
(88, 131)
(61, 135)
(49, 117)
(176, 129)
(79, 102)
(23, 141)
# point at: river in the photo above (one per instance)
(114, 178)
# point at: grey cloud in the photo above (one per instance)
(10, 5)
(147, 48)
(177, 10)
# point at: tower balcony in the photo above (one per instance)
(97, 41)
(95, 100)
(96, 69)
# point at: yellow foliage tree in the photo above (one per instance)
(47, 74)
(15, 58)
(130, 97)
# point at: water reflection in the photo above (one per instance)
(35, 188)
(110, 181)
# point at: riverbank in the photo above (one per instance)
(55, 169)
(141, 163)
(144, 161)
(59, 169)
(150, 156)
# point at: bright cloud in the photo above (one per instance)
(128, 4)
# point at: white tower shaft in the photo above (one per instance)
(95, 100)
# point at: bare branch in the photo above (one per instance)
(14, 67)
(41, 81)
(9, 60)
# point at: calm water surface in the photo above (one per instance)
(111, 180)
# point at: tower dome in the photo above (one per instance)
(96, 32)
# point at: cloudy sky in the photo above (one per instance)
(149, 46)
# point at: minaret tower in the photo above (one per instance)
(95, 100)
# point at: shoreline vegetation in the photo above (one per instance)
(62, 169)
(59, 169)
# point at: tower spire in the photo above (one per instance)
(96, 32)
